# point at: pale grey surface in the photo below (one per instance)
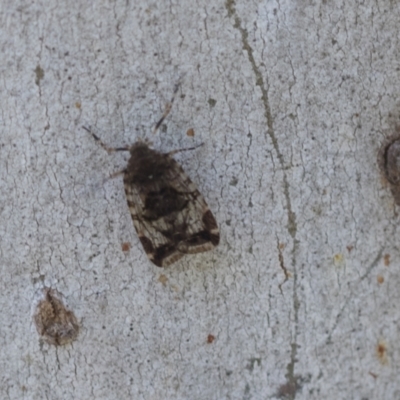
(292, 100)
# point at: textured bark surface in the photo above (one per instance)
(293, 101)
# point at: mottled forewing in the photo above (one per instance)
(202, 233)
(166, 239)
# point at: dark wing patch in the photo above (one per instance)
(171, 217)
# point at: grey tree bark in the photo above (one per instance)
(293, 101)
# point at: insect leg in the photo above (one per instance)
(171, 153)
(117, 173)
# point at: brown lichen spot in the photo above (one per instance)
(389, 163)
(210, 338)
(78, 105)
(39, 72)
(386, 260)
(338, 260)
(163, 279)
(252, 362)
(380, 279)
(373, 375)
(190, 132)
(126, 246)
(287, 390)
(381, 352)
(384, 181)
(212, 102)
(55, 323)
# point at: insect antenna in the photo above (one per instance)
(167, 110)
(109, 150)
(103, 145)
